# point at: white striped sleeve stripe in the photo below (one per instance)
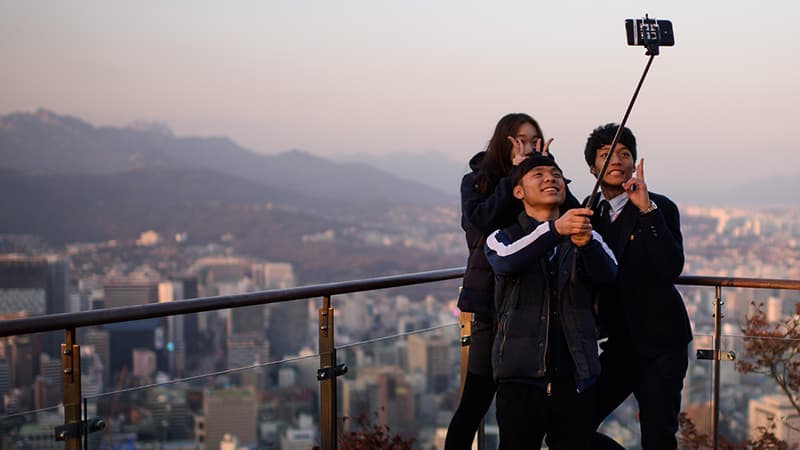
(506, 250)
(596, 236)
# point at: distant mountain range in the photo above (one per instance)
(431, 168)
(775, 190)
(47, 143)
(68, 181)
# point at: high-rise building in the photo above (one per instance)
(23, 365)
(382, 394)
(301, 436)
(129, 291)
(190, 340)
(775, 410)
(246, 319)
(231, 411)
(47, 386)
(100, 340)
(213, 270)
(144, 363)
(432, 356)
(273, 275)
(35, 285)
(170, 291)
(5, 376)
(127, 336)
(287, 328)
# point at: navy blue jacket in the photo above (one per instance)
(643, 309)
(518, 255)
(482, 213)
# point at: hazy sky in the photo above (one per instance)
(334, 77)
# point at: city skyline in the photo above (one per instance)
(369, 78)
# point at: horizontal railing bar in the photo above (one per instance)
(755, 283)
(61, 321)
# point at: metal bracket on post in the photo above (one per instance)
(723, 355)
(78, 429)
(331, 372)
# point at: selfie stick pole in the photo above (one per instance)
(593, 195)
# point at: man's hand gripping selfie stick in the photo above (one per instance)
(649, 33)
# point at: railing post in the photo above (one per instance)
(465, 322)
(326, 375)
(715, 364)
(71, 390)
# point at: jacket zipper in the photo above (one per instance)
(569, 347)
(504, 323)
(547, 327)
(505, 333)
(561, 304)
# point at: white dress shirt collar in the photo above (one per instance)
(617, 203)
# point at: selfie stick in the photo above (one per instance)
(593, 195)
(650, 42)
(652, 51)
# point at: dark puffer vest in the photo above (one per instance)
(523, 300)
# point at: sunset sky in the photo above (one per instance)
(335, 77)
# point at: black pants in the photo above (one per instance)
(526, 414)
(656, 384)
(478, 391)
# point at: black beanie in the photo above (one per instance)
(529, 163)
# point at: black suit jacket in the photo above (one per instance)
(644, 309)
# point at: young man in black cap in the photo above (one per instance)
(642, 313)
(545, 353)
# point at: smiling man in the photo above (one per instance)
(544, 355)
(646, 353)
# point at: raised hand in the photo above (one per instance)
(637, 188)
(519, 150)
(539, 148)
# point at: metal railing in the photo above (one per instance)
(75, 429)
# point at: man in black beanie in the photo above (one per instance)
(544, 355)
(643, 314)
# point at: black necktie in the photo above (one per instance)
(605, 212)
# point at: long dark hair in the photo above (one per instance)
(496, 162)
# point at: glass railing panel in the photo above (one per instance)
(31, 429)
(406, 385)
(759, 391)
(697, 391)
(623, 424)
(748, 397)
(30, 372)
(261, 406)
(363, 316)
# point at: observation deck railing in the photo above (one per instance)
(77, 426)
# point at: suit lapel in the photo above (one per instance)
(629, 216)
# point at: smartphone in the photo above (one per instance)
(649, 32)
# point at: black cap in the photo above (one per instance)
(529, 163)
